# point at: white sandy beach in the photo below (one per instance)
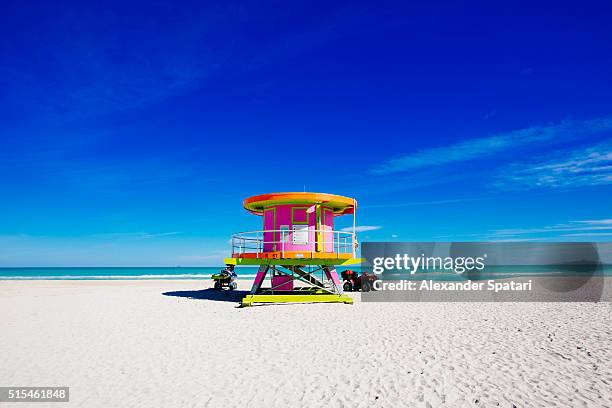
(126, 344)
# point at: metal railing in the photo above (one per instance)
(340, 242)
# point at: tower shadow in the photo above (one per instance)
(210, 294)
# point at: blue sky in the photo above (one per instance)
(131, 132)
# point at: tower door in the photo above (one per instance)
(269, 236)
(325, 225)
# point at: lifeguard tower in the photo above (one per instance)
(297, 247)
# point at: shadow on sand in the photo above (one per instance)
(210, 294)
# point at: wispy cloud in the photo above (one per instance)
(490, 114)
(576, 228)
(215, 255)
(100, 65)
(589, 234)
(363, 228)
(87, 81)
(168, 248)
(557, 232)
(598, 222)
(590, 166)
(487, 146)
(136, 235)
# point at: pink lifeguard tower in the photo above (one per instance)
(298, 247)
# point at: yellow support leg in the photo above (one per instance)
(250, 299)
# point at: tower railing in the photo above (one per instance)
(340, 242)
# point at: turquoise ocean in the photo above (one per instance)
(248, 273)
(116, 273)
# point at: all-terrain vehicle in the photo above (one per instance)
(225, 279)
(352, 282)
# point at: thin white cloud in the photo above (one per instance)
(590, 166)
(607, 221)
(589, 234)
(137, 235)
(571, 228)
(362, 228)
(216, 255)
(487, 146)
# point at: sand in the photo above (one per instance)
(126, 344)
